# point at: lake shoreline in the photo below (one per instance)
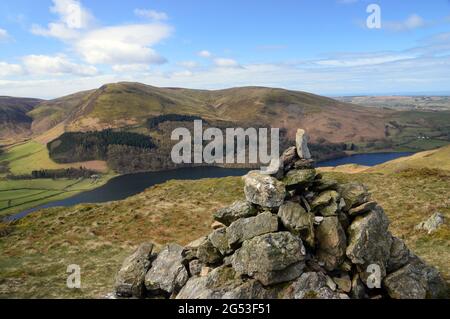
(95, 195)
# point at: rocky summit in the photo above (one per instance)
(297, 235)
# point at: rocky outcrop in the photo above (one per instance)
(297, 234)
(432, 224)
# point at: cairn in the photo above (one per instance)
(297, 235)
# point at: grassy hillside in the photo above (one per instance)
(37, 249)
(14, 121)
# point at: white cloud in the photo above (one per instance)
(226, 63)
(204, 54)
(366, 59)
(7, 69)
(151, 14)
(414, 21)
(3, 35)
(188, 64)
(129, 44)
(181, 74)
(130, 68)
(73, 17)
(56, 65)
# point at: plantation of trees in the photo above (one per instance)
(152, 123)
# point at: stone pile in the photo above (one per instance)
(297, 235)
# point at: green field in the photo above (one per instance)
(19, 195)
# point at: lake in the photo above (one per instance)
(124, 186)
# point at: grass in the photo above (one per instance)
(38, 248)
(19, 195)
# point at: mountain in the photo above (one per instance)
(14, 120)
(125, 104)
(398, 102)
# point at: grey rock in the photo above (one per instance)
(237, 210)
(331, 243)
(219, 240)
(369, 242)
(288, 158)
(312, 285)
(399, 255)
(324, 184)
(263, 190)
(301, 142)
(325, 198)
(130, 279)
(358, 288)
(190, 250)
(167, 274)
(363, 208)
(270, 258)
(247, 228)
(208, 254)
(432, 224)
(343, 282)
(195, 267)
(299, 178)
(298, 221)
(354, 194)
(406, 283)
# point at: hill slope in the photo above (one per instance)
(14, 120)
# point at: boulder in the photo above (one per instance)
(167, 274)
(431, 224)
(399, 255)
(299, 178)
(216, 225)
(331, 243)
(354, 194)
(301, 142)
(190, 250)
(288, 158)
(323, 184)
(406, 283)
(343, 282)
(358, 288)
(295, 219)
(312, 285)
(195, 267)
(325, 198)
(247, 228)
(219, 240)
(369, 242)
(237, 210)
(363, 208)
(263, 190)
(271, 258)
(130, 279)
(207, 253)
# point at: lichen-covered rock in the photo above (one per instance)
(130, 279)
(167, 274)
(263, 190)
(195, 267)
(299, 178)
(325, 198)
(312, 285)
(219, 240)
(247, 228)
(358, 288)
(399, 255)
(323, 184)
(354, 194)
(299, 222)
(271, 258)
(237, 210)
(190, 250)
(288, 158)
(343, 282)
(369, 242)
(222, 283)
(301, 142)
(207, 253)
(432, 224)
(363, 208)
(331, 243)
(406, 283)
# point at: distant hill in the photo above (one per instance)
(435, 103)
(125, 104)
(14, 120)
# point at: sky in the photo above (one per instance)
(51, 48)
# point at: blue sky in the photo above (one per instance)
(49, 48)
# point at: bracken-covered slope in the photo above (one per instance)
(124, 104)
(13, 116)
